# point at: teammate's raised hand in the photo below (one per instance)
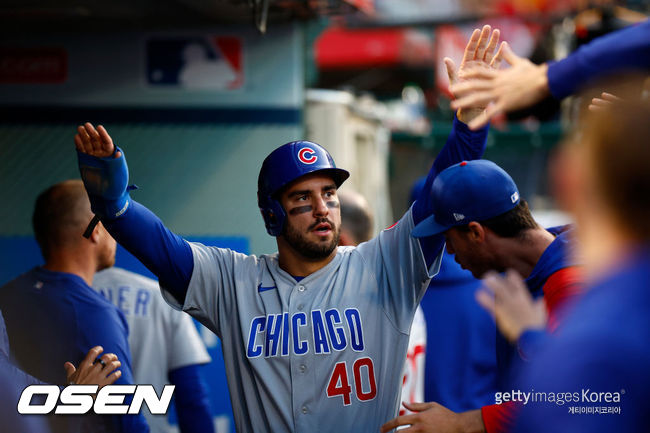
(480, 53)
(94, 371)
(519, 86)
(94, 142)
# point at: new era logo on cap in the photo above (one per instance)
(468, 191)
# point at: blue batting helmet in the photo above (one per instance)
(284, 165)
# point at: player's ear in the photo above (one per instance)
(96, 233)
(476, 232)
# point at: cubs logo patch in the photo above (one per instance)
(307, 155)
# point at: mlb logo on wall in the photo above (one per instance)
(201, 62)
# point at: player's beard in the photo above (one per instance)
(310, 249)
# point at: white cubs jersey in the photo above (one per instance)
(161, 339)
(413, 376)
(324, 354)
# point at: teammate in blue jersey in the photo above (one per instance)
(524, 83)
(489, 228)
(53, 315)
(314, 336)
(13, 381)
(600, 355)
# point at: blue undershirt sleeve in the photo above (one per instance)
(618, 51)
(529, 342)
(164, 253)
(192, 402)
(463, 144)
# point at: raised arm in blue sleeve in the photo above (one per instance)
(192, 402)
(618, 51)
(164, 253)
(463, 144)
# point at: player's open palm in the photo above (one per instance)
(482, 51)
(94, 142)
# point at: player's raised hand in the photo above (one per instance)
(519, 86)
(508, 300)
(94, 371)
(480, 53)
(94, 142)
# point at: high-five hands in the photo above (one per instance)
(519, 86)
(481, 53)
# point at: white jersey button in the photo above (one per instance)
(303, 368)
(304, 409)
(301, 288)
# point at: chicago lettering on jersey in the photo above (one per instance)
(278, 334)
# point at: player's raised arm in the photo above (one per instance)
(525, 83)
(105, 175)
(482, 51)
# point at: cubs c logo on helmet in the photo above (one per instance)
(307, 155)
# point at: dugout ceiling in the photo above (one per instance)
(101, 15)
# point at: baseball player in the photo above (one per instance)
(600, 354)
(53, 315)
(315, 335)
(460, 370)
(165, 348)
(489, 228)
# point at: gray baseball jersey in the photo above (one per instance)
(161, 339)
(324, 354)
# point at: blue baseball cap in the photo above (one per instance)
(468, 191)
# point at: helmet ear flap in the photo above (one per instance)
(274, 216)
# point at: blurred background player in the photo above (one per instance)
(357, 227)
(602, 178)
(461, 360)
(165, 348)
(51, 312)
(488, 227)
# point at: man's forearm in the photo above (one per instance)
(472, 421)
(622, 50)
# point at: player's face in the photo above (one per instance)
(469, 255)
(313, 216)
